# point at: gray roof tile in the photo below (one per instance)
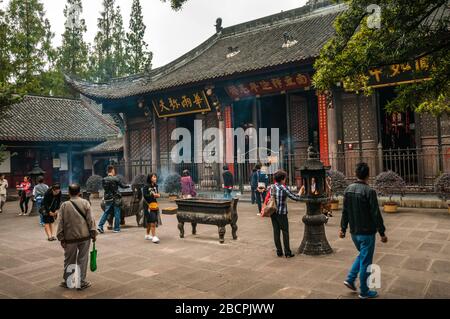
(39, 118)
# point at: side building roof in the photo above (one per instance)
(51, 119)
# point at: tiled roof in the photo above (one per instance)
(39, 118)
(259, 42)
(110, 146)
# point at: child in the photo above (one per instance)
(151, 208)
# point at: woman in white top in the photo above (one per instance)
(3, 188)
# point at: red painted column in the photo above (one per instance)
(229, 142)
(323, 130)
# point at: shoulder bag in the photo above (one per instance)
(271, 206)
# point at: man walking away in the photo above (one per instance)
(228, 182)
(112, 198)
(75, 230)
(3, 191)
(361, 211)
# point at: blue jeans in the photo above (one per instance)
(111, 208)
(38, 206)
(366, 247)
(227, 193)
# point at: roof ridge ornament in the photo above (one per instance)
(288, 40)
(218, 25)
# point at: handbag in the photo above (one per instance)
(271, 206)
(153, 206)
(261, 185)
(93, 254)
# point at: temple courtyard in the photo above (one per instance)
(415, 263)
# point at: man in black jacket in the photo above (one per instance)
(361, 211)
(112, 199)
(228, 182)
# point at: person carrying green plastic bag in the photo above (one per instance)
(76, 229)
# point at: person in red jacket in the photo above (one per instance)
(25, 192)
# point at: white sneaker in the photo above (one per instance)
(148, 237)
(155, 240)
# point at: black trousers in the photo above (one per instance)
(23, 203)
(259, 197)
(280, 225)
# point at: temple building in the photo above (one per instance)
(258, 74)
(68, 139)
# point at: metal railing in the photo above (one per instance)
(418, 167)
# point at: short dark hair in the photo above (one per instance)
(56, 186)
(111, 168)
(258, 166)
(280, 176)
(185, 172)
(362, 171)
(74, 189)
(40, 179)
(225, 167)
(2, 175)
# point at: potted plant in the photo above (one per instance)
(442, 187)
(387, 184)
(338, 184)
(94, 185)
(172, 186)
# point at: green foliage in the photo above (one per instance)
(73, 53)
(102, 60)
(137, 54)
(172, 184)
(94, 184)
(442, 186)
(176, 4)
(5, 60)
(120, 62)
(406, 34)
(30, 44)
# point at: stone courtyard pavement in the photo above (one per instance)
(415, 263)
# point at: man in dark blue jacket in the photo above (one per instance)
(361, 211)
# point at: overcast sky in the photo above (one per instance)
(172, 33)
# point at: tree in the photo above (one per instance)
(119, 42)
(29, 44)
(138, 56)
(103, 56)
(410, 30)
(5, 61)
(73, 53)
(176, 4)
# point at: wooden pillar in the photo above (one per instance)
(155, 143)
(126, 150)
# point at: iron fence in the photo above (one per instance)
(418, 167)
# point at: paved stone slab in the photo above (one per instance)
(415, 263)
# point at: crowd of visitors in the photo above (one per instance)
(77, 227)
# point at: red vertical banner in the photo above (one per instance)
(229, 143)
(323, 130)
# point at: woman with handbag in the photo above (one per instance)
(279, 194)
(151, 208)
(38, 196)
(49, 209)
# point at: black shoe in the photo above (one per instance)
(63, 285)
(279, 254)
(290, 255)
(350, 285)
(84, 285)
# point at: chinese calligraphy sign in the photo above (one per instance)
(267, 86)
(399, 73)
(175, 105)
